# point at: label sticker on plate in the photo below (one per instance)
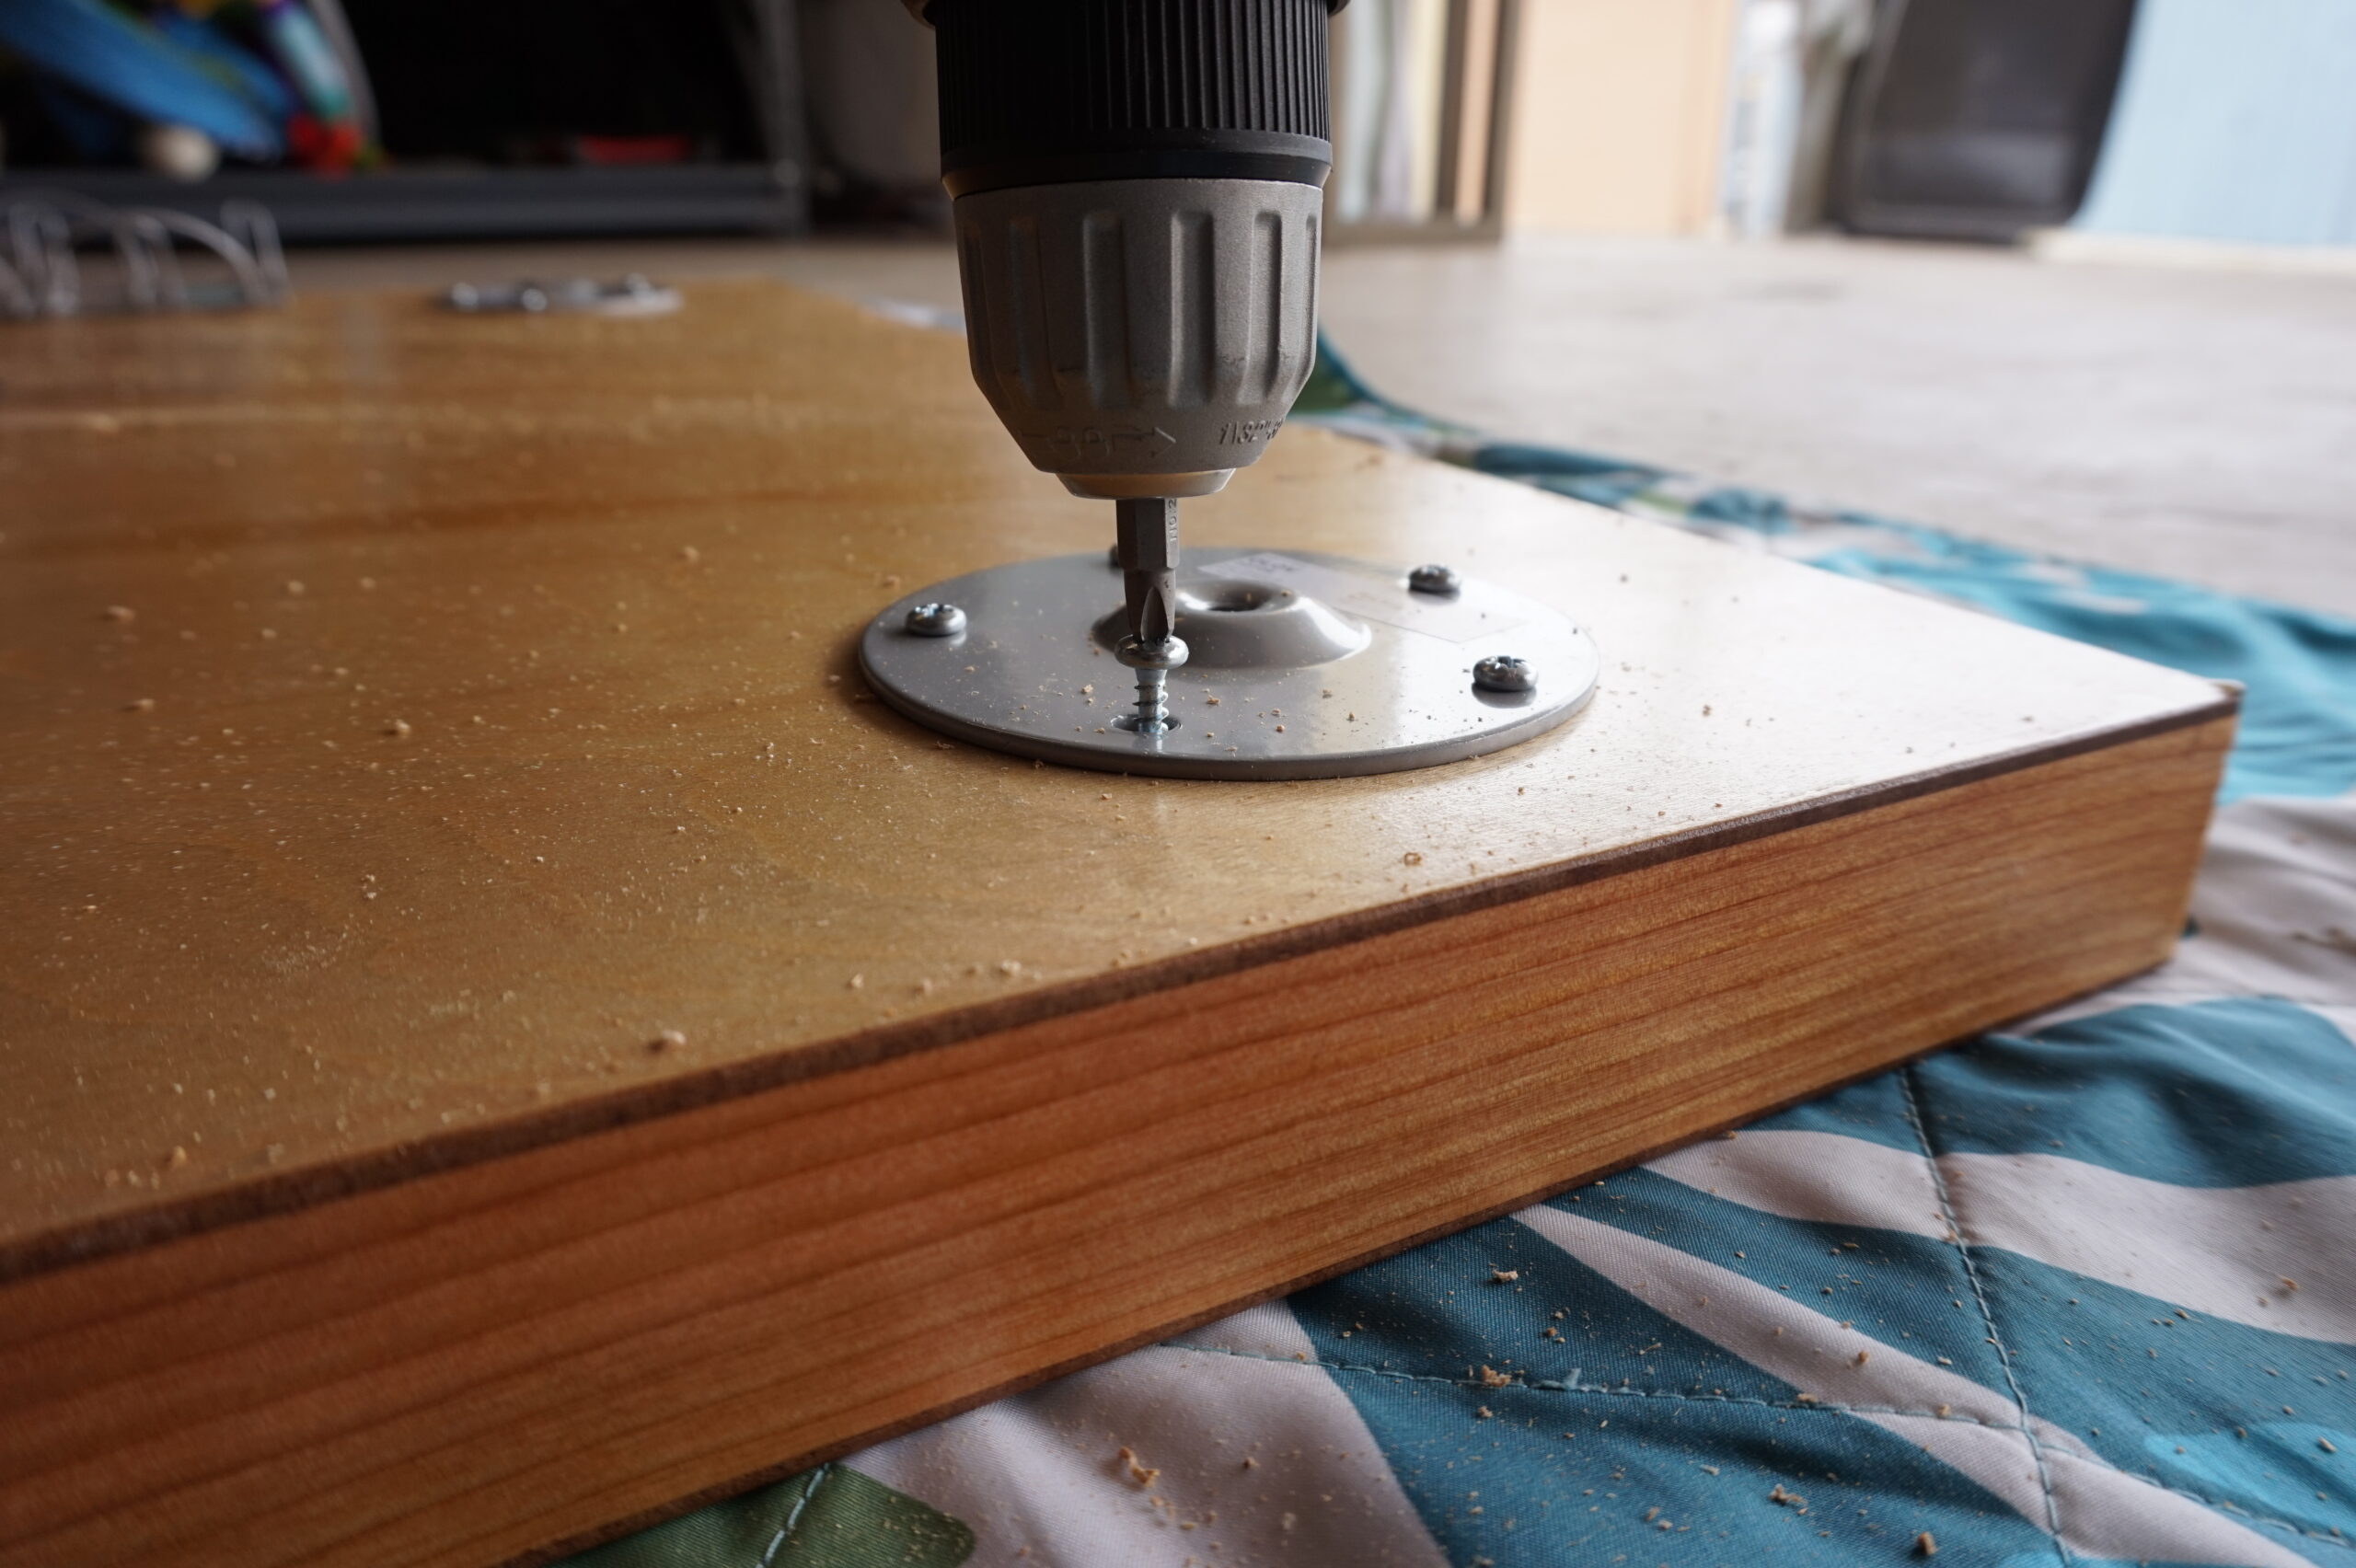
(1386, 599)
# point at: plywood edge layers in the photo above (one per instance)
(466, 1369)
(277, 1193)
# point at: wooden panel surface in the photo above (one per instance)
(407, 718)
(479, 1364)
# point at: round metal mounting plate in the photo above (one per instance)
(1303, 666)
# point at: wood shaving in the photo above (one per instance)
(1493, 1379)
(1503, 1276)
(1924, 1546)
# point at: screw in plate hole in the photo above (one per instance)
(1503, 672)
(1440, 582)
(935, 620)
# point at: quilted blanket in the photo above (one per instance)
(2080, 1293)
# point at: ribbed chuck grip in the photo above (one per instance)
(1042, 92)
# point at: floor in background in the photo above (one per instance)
(2193, 424)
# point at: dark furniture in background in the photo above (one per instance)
(538, 117)
(1978, 119)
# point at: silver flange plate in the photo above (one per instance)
(1300, 665)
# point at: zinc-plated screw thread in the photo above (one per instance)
(1153, 662)
(1153, 702)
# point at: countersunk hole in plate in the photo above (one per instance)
(1234, 597)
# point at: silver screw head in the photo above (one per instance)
(935, 620)
(1503, 672)
(1435, 580)
(1167, 655)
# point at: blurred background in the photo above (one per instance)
(2076, 274)
(2207, 121)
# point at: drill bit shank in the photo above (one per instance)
(1146, 544)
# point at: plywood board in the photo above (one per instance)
(495, 1023)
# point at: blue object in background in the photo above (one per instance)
(303, 51)
(136, 69)
(205, 41)
(2235, 121)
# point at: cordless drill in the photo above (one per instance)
(1138, 191)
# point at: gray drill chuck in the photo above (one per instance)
(1137, 190)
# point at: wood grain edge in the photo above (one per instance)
(769, 1474)
(2124, 808)
(65, 1246)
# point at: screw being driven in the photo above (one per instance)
(1145, 549)
(1440, 582)
(935, 620)
(1503, 672)
(1152, 662)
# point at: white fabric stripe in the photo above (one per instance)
(2221, 1251)
(2103, 1512)
(1825, 1177)
(2275, 904)
(1041, 1471)
(1270, 1330)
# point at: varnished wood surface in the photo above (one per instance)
(488, 1362)
(484, 710)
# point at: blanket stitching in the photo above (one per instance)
(1549, 1386)
(794, 1515)
(1987, 1316)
